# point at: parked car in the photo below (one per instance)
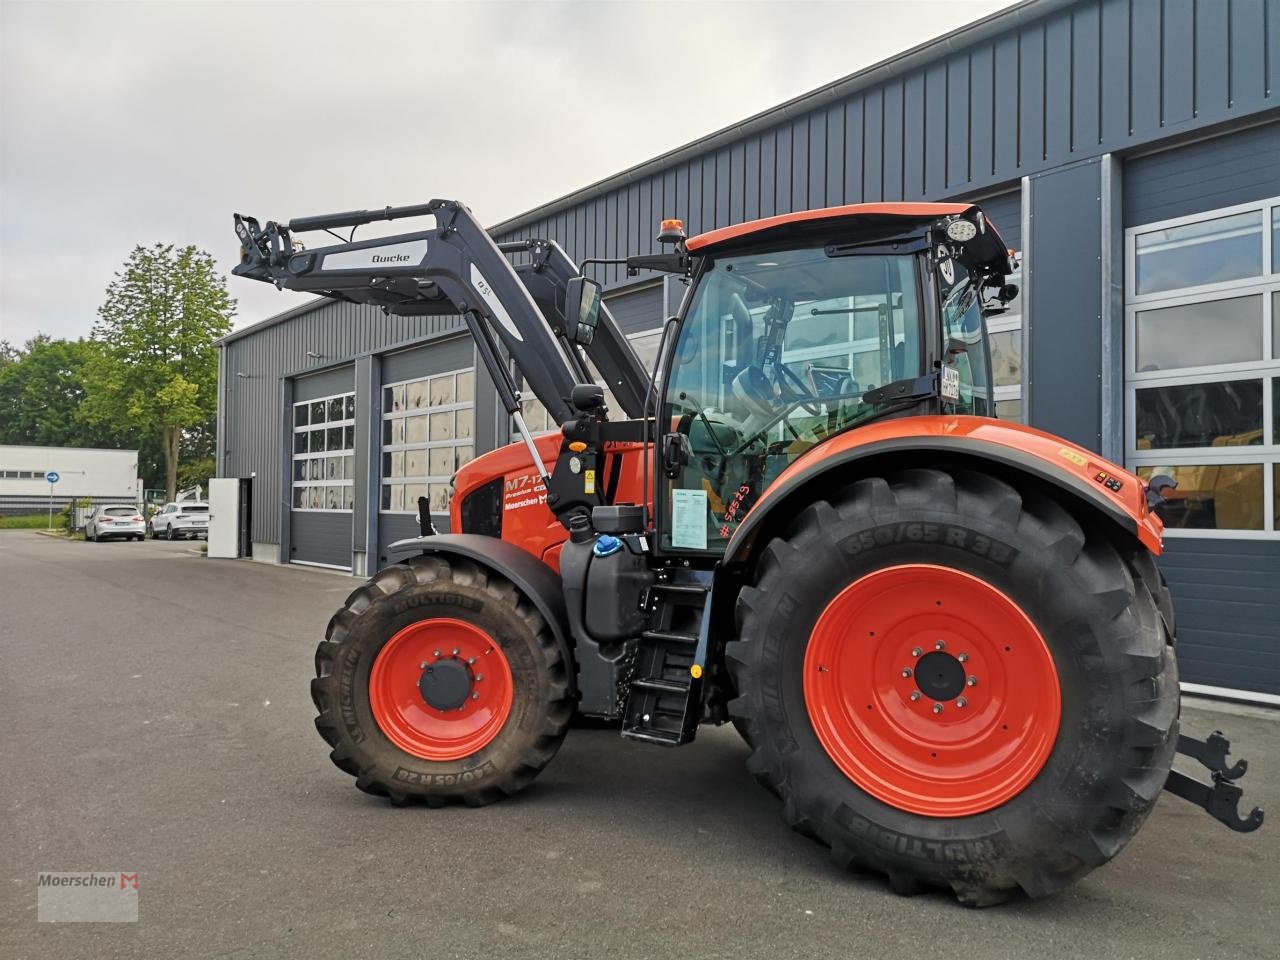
(105, 522)
(188, 518)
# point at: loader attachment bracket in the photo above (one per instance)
(1221, 797)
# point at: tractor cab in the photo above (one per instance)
(806, 327)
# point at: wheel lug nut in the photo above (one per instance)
(455, 651)
(937, 708)
(475, 696)
(940, 645)
(437, 653)
(479, 677)
(972, 681)
(471, 659)
(962, 657)
(422, 665)
(961, 702)
(916, 652)
(915, 694)
(906, 671)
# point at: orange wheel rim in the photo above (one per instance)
(441, 689)
(931, 690)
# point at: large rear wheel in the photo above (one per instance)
(961, 686)
(438, 680)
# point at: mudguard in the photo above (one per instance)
(531, 576)
(1111, 490)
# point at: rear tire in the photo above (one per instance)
(373, 743)
(1097, 606)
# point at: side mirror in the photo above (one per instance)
(581, 309)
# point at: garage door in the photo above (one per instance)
(324, 465)
(1202, 374)
(428, 428)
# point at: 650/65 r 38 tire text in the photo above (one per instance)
(958, 683)
(438, 680)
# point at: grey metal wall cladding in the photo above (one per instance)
(1080, 81)
(339, 380)
(399, 526)
(1228, 607)
(429, 359)
(1065, 312)
(1005, 211)
(637, 310)
(1237, 168)
(317, 537)
(251, 403)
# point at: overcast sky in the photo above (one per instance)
(128, 123)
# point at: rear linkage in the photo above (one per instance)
(1220, 798)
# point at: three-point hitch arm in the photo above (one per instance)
(454, 267)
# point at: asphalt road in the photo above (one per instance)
(156, 718)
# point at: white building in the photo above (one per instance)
(82, 472)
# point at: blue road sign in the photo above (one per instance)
(52, 476)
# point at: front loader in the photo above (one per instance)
(944, 637)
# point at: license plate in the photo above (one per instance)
(949, 388)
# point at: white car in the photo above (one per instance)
(188, 518)
(105, 522)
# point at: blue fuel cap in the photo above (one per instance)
(606, 545)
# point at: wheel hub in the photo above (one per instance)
(931, 690)
(940, 676)
(441, 689)
(445, 684)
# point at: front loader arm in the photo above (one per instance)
(452, 267)
(546, 276)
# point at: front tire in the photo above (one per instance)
(1023, 764)
(439, 681)
(168, 533)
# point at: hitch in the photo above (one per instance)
(1221, 797)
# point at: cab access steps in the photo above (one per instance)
(664, 702)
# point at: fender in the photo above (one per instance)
(531, 576)
(1113, 491)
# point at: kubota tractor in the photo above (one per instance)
(944, 637)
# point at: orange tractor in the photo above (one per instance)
(944, 637)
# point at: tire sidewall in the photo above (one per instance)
(384, 618)
(1044, 588)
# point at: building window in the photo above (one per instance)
(324, 462)
(1005, 330)
(1202, 367)
(539, 420)
(428, 426)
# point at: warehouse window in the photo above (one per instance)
(539, 420)
(324, 440)
(427, 433)
(1005, 330)
(1202, 310)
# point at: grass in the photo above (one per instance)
(27, 521)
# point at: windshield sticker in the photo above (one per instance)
(689, 519)
(948, 270)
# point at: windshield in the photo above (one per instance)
(119, 511)
(775, 354)
(200, 509)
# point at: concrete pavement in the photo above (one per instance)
(156, 718)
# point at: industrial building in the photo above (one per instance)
(1127, 149)
(104, 476)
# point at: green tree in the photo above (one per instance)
(41, 390)
(155, 368)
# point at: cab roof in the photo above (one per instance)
(881, 218)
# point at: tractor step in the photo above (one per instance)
(664, 703)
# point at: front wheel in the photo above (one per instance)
(957, 683)
(439, 681)
(168, 532)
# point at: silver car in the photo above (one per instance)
(181, 520)
(105, 522)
